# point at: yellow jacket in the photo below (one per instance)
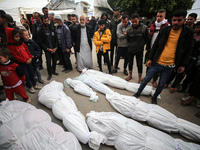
(104, 40)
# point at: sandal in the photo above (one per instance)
(197, 115)
(186, 103)
(128, 78)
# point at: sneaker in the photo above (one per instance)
(49, 77)
(37, 87)
(41, 81)
(32, 90)
(153, 100)
(28, 100)
(55, 73)
(125, 72)
(136, 95)
(114, 70)
(171, 90)
(68, 70)
(187, 98)
(64, 70)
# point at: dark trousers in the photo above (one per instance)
(139, 60)
(29, 74)
(195, 87)
(122, 51)
(113, 46)
(165, 73)
(65, 58)
(51, 68)
(155, 78)
(59, 55)
(105, 55)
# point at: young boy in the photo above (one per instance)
(102, 39)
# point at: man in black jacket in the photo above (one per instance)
(171, 50)
(48, 42)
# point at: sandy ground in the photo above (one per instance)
(170, 102)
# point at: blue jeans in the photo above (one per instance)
(165, 73)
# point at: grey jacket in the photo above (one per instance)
(121, 38)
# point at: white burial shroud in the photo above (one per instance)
(22, 126)
(64, 108)
(81, 88)
(154, 115)
(124, 133)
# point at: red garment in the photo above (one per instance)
(20, 52)
(153, 27)
(9, 75)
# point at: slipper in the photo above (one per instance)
(197, 115)
(128, 78)
(186, 103)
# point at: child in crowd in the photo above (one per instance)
(35, 51)
(22, 56)
(12, 76)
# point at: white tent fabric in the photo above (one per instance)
(124, 133)
(154, 115)
(64, 108)
(102, 4)
(22, 126)
(81, 88)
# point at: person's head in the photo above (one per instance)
(92, 18)
(197, 28)
(104, 16)
(82, 21)
(135, 20)
(76, 18)
(178, 19)
(117, 12)
(24, 34)
(16, 35)
(58, 19)
(4, 55)
(37, 17)
(22, 16)
(45, 11)
(161, 15)
(191, 19)
(73, 19)
(9, 19)
(2, 19)
(69, 17)
(102, 24)
(51, 17)
(45, 21)
(125, 20)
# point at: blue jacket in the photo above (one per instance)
(66, 37)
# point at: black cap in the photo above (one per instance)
(102, 21)
(117, 9)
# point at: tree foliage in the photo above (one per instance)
(149, 8)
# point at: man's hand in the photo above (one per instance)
(50, 50)
(28, 61)
(149, 63)
(67, 50)
(181, 69)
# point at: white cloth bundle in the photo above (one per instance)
(65, 109)
(98, 86)
(81, 88)
(25, 127)
(124, 133)
(154, 115)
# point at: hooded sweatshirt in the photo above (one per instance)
(18, 49)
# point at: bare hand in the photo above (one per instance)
(181, 69)
(67, 50)
(149, 63)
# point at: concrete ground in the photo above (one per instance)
(170, 102)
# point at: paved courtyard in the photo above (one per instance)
(170, 102)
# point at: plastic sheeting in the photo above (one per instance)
(81, 88)
(64, 108)
(22, 126)
(154, 115)
(124, 133)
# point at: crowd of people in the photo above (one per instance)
(172, 50)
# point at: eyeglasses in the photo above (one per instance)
(160, 16)
(179, 20)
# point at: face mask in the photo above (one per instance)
(56, 24)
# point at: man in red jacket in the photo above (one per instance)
(154, 30)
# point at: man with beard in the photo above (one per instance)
(48, 42)
(171, 50)
(82, 35)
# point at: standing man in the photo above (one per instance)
(122, 42)
(73, 19)
(45, 11)
(48, 42)
(64, 43)
(82, 35)
(36, 26)
(138, 36)
(154, 30)
(113, 28)
(93, 23)
(171, 50)
(68, 22)
(51, 18)
(191, 19)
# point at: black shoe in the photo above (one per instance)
(41, 81)
(49, 78)
(64, 70)
(114, 70)
(68, 70)
(55, 73)
(136, 95)
(41, 68)
(153, 100)
(125, 72)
